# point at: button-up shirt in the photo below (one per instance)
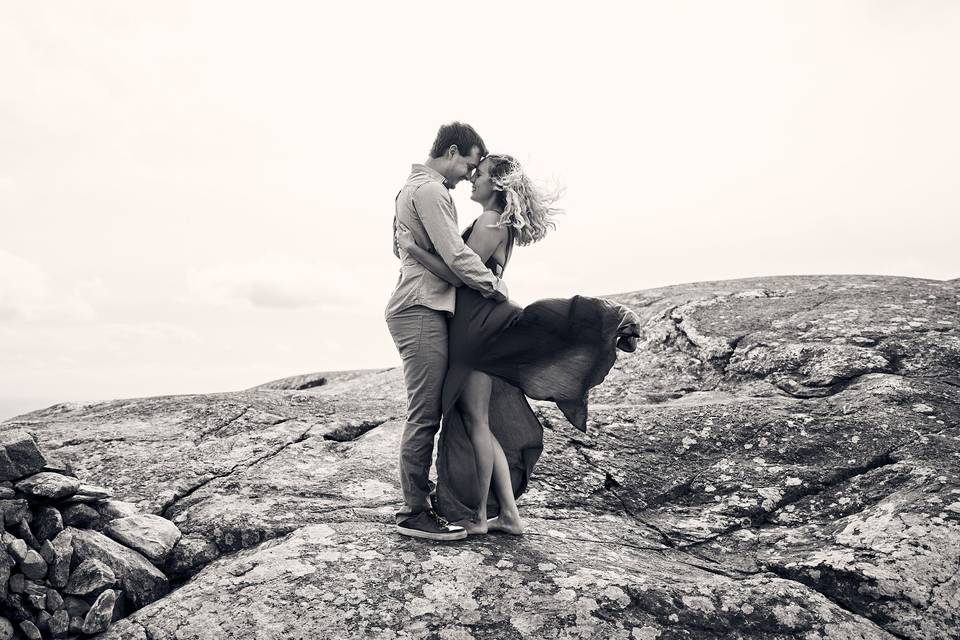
(426, 207)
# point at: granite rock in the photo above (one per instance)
(151, 535)
(47, 522)
(59, 572)
(59, 623)
(100, 615)
(81, 516)
(90, 577)
(141, 582)
(779, 458)
(19, 454)
(48, 485)
(33, 565)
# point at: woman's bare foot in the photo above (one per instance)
(506, 523)
(473, 528)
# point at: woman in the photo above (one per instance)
(498, 352)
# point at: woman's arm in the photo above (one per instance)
(431, 262)
(484, 240)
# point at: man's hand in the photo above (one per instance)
(404, 238)
(501, 295)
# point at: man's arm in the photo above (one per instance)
(434, 264)
(439, 220)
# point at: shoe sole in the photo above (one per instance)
(426, 535)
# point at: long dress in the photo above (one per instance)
(554, 349)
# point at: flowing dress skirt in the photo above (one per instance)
(555, 349)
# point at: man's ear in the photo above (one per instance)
(452, 151)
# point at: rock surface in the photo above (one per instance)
(141, 582)
(149, 534)
(780, 458)
(90, 576)
(100, 613)
(48, 485)
(19, 455)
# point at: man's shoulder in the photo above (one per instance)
(430, 188)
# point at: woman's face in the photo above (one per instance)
(483, 190)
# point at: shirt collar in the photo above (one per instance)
(433, 173)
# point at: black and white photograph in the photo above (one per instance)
(480, 321)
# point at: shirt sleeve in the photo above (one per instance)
(439, 219)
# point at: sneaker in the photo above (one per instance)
(430, 525)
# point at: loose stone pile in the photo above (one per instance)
(73, 559)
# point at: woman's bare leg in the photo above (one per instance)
(509, 519)
(475, 405)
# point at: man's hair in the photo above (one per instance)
(460, 134)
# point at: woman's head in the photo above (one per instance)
(501, 184)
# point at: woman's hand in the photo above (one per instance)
(405, 238)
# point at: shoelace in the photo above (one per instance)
(443, 524)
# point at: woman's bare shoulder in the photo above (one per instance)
(488, 220)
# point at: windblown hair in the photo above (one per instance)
(526, 207)
(460, 134)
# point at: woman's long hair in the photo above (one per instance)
(526, 207)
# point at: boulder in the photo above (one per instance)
(54, 600)
(59, 466)
(19, 455)
(188, 555)
(33, 565)
(100, 615)
(18, 549)
(59, 623)
(59, 572)
(113, 509)
(80, 515)
(30, 630)
(15, 609)
(76, 607)
(48, 485)
(13, 511)
(47, 523)
(152, 535)
(22, 529)
(6, 567)
(141, 582)
(48, 552)
(17, 582)
(93, 491)
(76, 624)
(35, 594)
(90, 577)
(43, 622)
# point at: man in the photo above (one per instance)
(418, 309)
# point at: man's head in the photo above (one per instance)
(456, 152)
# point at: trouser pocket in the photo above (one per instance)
(406, 332)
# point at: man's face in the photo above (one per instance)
(461, 166)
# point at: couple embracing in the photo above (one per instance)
(471, 357)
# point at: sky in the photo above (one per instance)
(197, 196)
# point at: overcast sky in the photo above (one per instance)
(197, 197)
